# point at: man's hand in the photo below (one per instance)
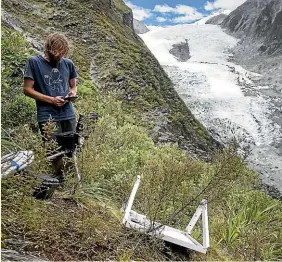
(71, 93)
(29, 91)
(58, 101)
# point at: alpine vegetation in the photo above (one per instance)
(135, 125)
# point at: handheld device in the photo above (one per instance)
(70, 98)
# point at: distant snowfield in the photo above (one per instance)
(221, 94)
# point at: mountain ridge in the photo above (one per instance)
(257, 20)
(258, 24)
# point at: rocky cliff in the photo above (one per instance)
(258, 23)
(139, 28)
(108, 51)
(181, 51)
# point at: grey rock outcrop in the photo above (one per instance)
(61, 2)
(128, 19)
(259, 21)
(139, 28)
(9, 21)
(259, 25)
(216, 20)
(12, 255)
(181, 51)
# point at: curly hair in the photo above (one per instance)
(56, 43)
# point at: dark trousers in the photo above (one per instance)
(61, 127)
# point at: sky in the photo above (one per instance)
(169, 12)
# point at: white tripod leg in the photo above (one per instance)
(130, 200)
(76, 166)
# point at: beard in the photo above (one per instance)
(54, 60)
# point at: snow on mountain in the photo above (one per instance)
(154, 27)
(216, 13)
(221, 94)
(216, 20)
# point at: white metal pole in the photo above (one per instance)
(7, 157)
(130, 200)
(57, 155)
(76, 166)
(206, 236)
(194, 220)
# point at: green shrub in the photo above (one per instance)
(86, 89)
(16, 109)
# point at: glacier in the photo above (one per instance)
(222, 94)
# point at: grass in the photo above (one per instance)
(245, 224)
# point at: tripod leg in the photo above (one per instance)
(76, 167)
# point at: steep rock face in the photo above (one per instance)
(108, 51)
(216, 20)
(258, 20)
(259, 25)
(181, 51)
(274, 35)
(139, 28)
(128, 19)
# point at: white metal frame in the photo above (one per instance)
(17, 161)
(13, 162)
(141, 223)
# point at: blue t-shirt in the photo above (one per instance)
(51, 81)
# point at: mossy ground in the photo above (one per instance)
(245, 224)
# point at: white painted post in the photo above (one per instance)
(76, 166)
(194, 220)
(130, 200)
(206, 238)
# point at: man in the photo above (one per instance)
(48, 79)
